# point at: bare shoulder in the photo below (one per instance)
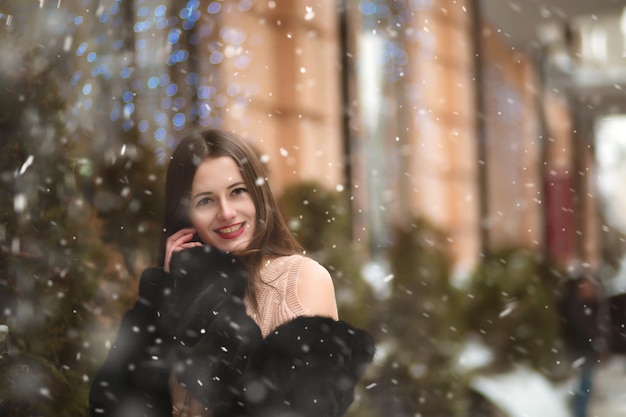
(316, 291)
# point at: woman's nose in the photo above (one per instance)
(227, 211)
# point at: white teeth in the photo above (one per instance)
(231, 228)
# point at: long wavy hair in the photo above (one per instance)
(271, 236)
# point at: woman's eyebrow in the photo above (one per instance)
(237, 184)
(201, 194)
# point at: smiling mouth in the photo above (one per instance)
(231, 231)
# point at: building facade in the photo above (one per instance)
(414, 110)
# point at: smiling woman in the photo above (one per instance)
(235, 321)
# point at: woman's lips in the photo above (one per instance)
(231, 231)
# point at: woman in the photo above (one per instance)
(235, 321)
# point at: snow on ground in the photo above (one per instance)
(526, 393)
(609, 396)
(523, 392)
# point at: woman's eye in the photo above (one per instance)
(203, 202)
(238, 191)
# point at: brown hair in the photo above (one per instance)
(271, 235)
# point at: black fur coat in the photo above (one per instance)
(193, 321)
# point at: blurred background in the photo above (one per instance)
(453, 163)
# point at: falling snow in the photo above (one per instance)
(408, 209)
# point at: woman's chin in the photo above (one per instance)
(233, 247)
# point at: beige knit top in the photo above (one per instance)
(277, 301)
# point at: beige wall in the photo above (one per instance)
(443, 164)
(292, 107)
(288, 103)
(514, 189)
(590, 226)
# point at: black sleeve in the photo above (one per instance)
(132, 381)
(307, 367)
(211, 369)
(213, 333)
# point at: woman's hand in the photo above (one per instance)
(177, 242)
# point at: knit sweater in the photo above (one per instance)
(277, 302)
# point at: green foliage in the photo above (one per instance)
(128, 197)
(513, 300)
(421, 330)
(317, 217)
(50, 254)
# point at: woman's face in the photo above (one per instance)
(221, 208)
